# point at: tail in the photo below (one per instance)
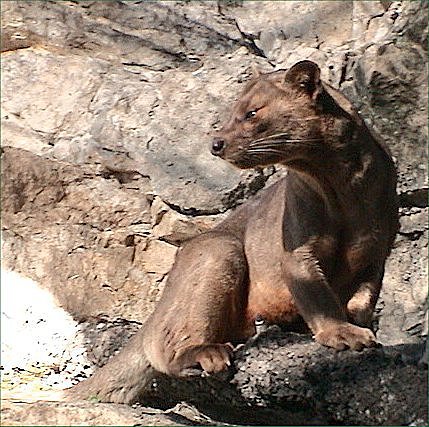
(124, 379)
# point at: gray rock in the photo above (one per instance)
(78, 231)
(288, 379)
(403, 300)
(108, 109)
(390, 78)
(94, 414)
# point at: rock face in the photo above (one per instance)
(108, 110)
(89, 413)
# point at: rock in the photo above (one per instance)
(83, 220)
(403, 299)
(392, 94)
(277, 379)
(107, 113)
(89, 413)
(104, 337)
(157, 257)
(288, 379)
(118, 111)
(175, 228)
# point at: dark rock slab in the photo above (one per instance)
(288, 379)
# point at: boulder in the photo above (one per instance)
(107, 113)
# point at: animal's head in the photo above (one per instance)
(276, 119)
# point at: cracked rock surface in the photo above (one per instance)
(107, 112)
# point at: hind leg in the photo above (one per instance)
(202, 309)
(199, 314)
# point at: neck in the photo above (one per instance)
(345, 166)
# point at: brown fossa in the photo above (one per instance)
(312, 246)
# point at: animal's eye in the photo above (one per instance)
(250, 114)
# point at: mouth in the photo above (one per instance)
(244, 161)
(267, 151)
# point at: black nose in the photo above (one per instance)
(218, 145)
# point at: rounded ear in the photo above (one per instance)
(305, 77)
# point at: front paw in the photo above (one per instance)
(345, 335)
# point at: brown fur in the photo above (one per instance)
(311, 246)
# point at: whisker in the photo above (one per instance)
(277, 135)
(274, 136)
(306, 119)
(266, 147)
(265, 151)
(284, 135)
(276, 142)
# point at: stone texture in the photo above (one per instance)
(108, 109)
(288, 379)
(96, 414)
(69, 227)
(404, 296)
(277, 378)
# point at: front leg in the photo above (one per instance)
(319, 305)
(361, 305)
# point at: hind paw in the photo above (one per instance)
(202, 360)
(214, 358)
